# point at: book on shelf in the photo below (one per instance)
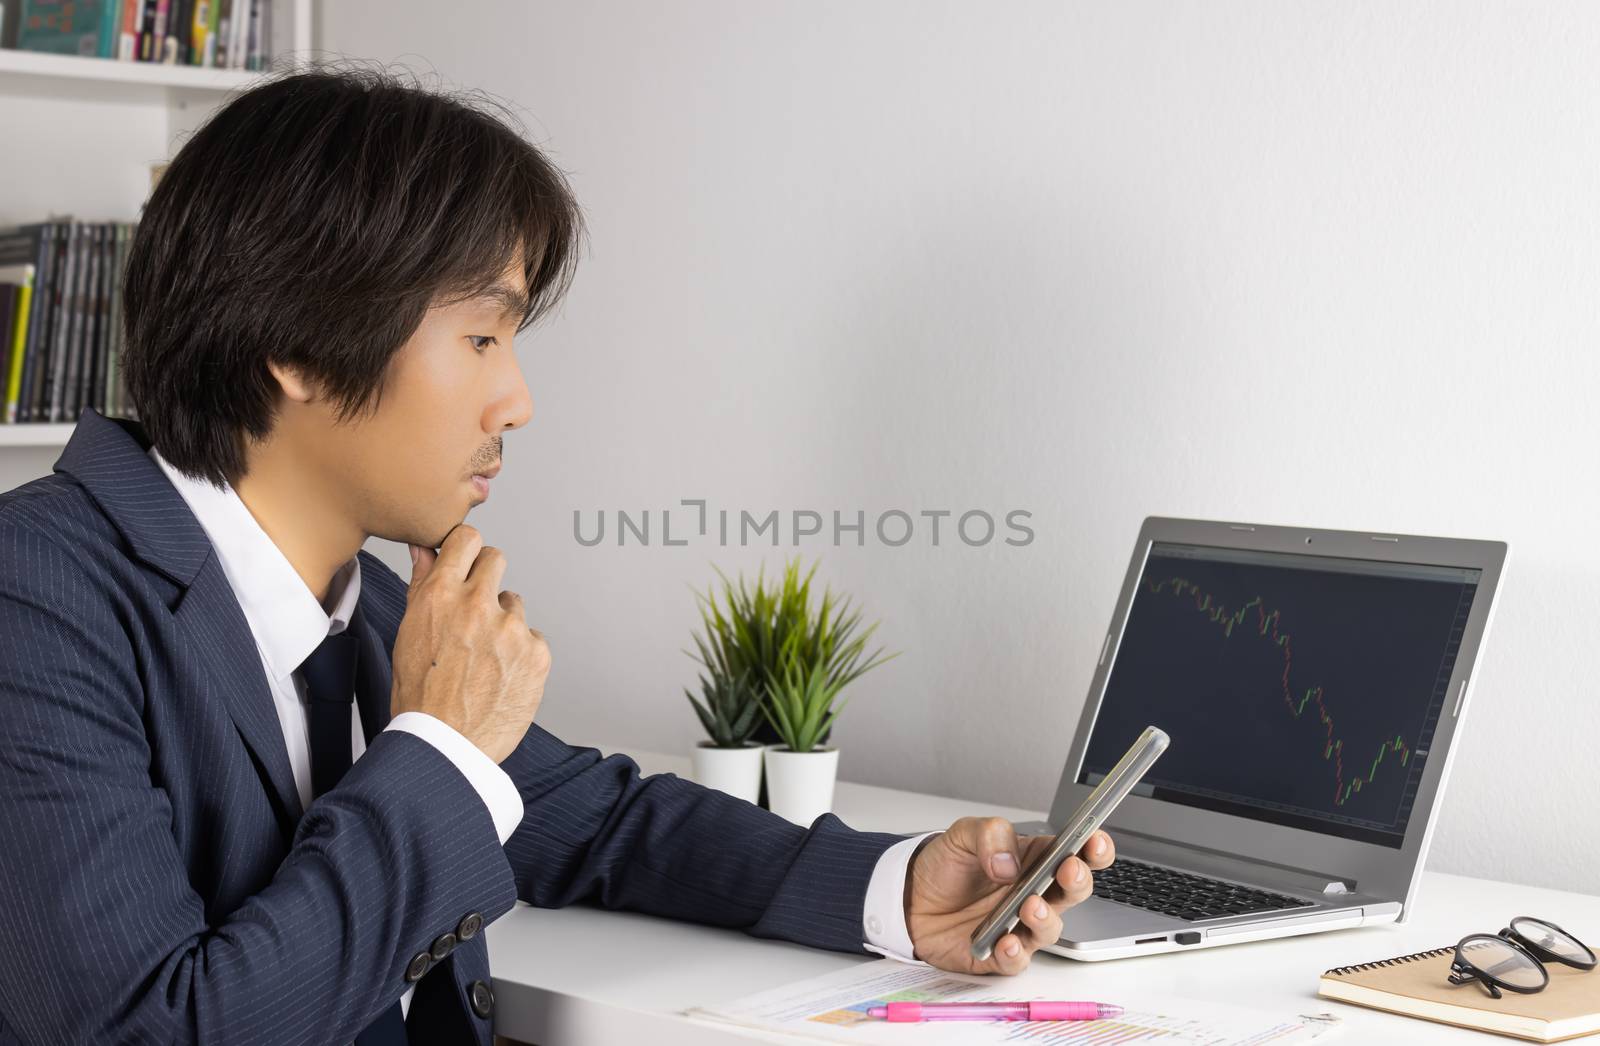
(61, 337)
(215, 34)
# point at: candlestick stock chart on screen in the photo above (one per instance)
(1300, 690)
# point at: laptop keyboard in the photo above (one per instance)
(1185, 896)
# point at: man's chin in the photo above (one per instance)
(429, 536)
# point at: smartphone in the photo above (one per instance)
(1079, 827)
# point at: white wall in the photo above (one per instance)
(1324, 264)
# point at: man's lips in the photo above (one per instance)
(480, 481)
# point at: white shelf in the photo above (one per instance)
(109, 70)
(114, 79)
(36, 434)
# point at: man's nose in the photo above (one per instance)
(513, 407)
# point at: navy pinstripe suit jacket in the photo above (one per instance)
(159, 881)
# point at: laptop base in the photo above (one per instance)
(1196, 937)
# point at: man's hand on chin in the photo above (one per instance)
(957, 877)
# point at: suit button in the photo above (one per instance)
(470, 925)
(482, 999)
(443, 945)
(418, 966)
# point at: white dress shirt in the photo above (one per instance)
(288, 624)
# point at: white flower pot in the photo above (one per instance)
(800, 784)
(736, 771)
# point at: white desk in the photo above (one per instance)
(584, 975)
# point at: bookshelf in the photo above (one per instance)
(80, 136)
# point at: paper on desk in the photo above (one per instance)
(833, 1008)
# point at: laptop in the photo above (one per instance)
(1313, 683)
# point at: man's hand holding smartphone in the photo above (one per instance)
(984, 901)
(958, 876)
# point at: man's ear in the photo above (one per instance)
(294, 384)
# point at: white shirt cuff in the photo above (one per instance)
(884, 914)
(493, 785)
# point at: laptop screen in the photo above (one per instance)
(1300, 690)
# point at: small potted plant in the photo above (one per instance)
(734, 654)
(815, 663)
(729, 709)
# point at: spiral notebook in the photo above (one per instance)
(1415, 985)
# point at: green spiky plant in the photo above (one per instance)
(815, 664)
(744, 632)
(729, 709)
(767, 637)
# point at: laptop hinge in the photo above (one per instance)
(1337, 887)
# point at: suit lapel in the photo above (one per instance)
(213, 620)
(110, 458)
(372, 675)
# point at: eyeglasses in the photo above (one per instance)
(1514, 958)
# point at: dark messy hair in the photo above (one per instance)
(311, 222)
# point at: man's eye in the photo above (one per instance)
(481, 341)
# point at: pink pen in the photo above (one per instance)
(901, 1012)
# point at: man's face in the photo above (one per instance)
(407, 468)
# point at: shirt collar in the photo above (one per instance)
(287, 621)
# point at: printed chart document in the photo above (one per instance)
(833, 1008)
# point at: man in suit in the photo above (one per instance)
(254, 787)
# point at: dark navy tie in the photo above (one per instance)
(330, 676)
